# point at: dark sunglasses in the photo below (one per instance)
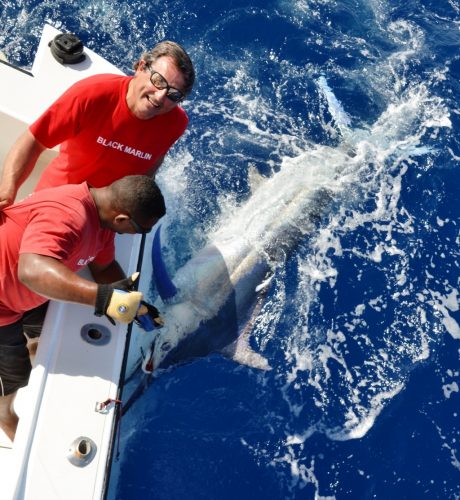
(139, 229)
(160, 82)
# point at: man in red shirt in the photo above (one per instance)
(44, 240)
(108, 126)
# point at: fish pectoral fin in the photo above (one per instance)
(242, 353)
(252, 359)
(165, 286)
(240, 350)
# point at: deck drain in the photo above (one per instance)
(95, 334)
(81, 451)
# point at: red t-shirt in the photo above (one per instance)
(101, 140)
(62, 223)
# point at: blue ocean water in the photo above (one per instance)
(360, 324)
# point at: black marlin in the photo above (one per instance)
(214, 294)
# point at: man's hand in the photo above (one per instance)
(127, 284)
(18, 165)
(6, 197)
(118, 301)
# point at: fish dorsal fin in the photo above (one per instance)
(255, 178)
(341, 117)
(166, 288)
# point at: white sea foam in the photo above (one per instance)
(448, 389)
(389, 146)
(444, 304)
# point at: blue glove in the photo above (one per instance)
(148, 317)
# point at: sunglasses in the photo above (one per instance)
(160, 82)
(139, 229)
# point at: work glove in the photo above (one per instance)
(118, 300)
(148, 317)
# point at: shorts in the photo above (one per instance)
(15, 364)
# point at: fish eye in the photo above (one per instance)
(166, 346)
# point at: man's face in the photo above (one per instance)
(125, 224)
(144, 99)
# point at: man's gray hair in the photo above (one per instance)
(180, 57)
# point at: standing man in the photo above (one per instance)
(44, 240)
(108, 126)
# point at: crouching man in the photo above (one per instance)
(44, 241)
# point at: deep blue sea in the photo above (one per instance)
(361, 322)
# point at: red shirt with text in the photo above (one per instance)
(61, 223)
(101, 140)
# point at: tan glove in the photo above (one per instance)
(123, 306)
(117, 301)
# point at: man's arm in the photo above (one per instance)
(107, 273)
(18, 165)
(50, 278)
